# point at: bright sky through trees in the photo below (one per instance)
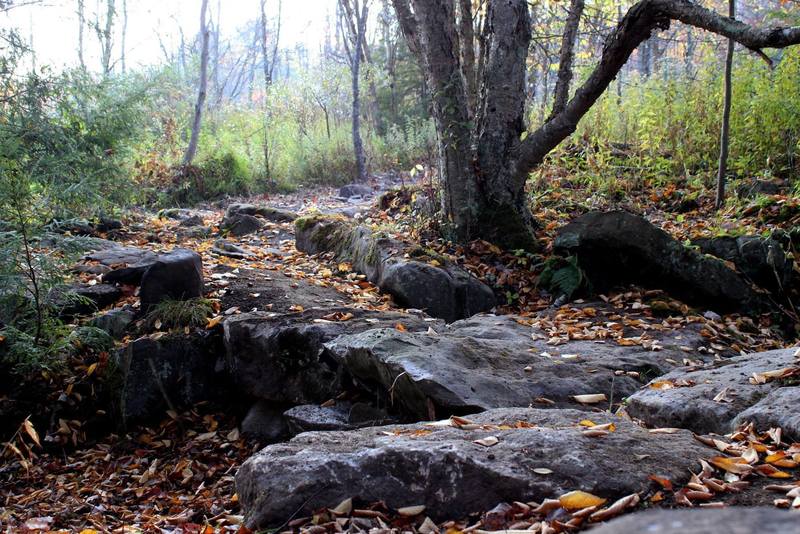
(53, 26)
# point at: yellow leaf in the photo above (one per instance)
(661, 384)
(577, 500)
(772, 472)
(31, 431)
(89, 531)
(214, 321)
(737, 466)
(587, 423)
(91, 369)
(523, 136)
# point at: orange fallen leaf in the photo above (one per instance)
(771, 472)
(400, 328)
(577, 500)
(214, 321)
(737, 466)
(663, 482)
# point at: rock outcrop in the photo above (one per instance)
(616, 248)
(414, 277)
(460, 469)
(495, 362)
(719, 397)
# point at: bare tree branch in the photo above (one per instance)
(636, 27)
(561, 93)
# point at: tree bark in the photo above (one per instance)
(355, 16)
(466, 35)
(124, 34)
(191, 150)
(724, 143)
(81, 26)
(483, 168)
(566, 57)
(105, 36)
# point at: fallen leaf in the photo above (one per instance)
(343, 508)
(577, 500)
(593, 398)
(411, 511)
(771, 471)
(214, 321)
(488, 441)
(663, 482)
(737, 466)
(28, 426)
(615, 509)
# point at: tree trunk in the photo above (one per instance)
(353, 17)
(484, 164)
(561, 93)
(722, 169)
(124, 34)
(466, 35)
(106, 38)
(358, 144)
(81, 25)
(201, 93)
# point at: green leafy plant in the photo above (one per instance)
(180, 313)
(563, 277)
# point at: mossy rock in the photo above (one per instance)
(320, 233)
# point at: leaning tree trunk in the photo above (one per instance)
(724, 144)
(201, 92)
(484, 163)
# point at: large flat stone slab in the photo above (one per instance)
(279, 357)
(728, 521)
(496, 362)
(719, 397)
(444, 469)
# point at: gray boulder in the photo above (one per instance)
(194, 220)
(279, 358)
(340, 416)
(177, 275)
(240, 224)
(115, 322)
(495, 362)
(226, 248)
(82, 299)
(265, 212)
(128, 263)
(265, 423)
(718, 397)
(444, 469)
(617, 248)
(738, 520)
(177, 214)
(761, 260)
(779, 408)
(355, 190)
(151, 374)
(414, 277)
(119, 255)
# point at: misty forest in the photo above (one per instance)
(400, 266)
